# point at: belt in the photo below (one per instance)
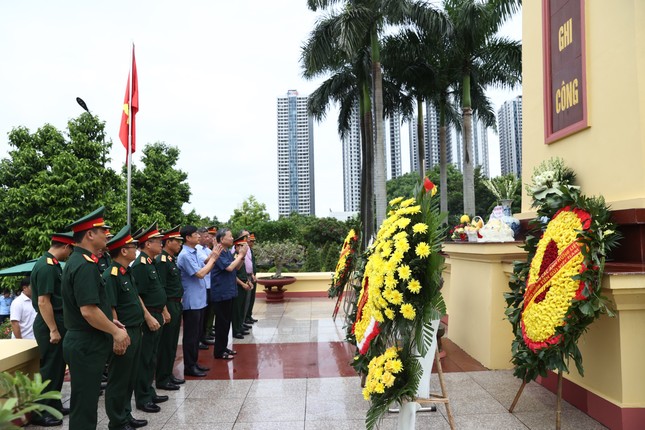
(174, 299)
(155, 310)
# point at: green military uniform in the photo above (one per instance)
(124, 298)
(154, 298)
(104, 262)
(171, 280)
(239, 301)
(46, 280)
(85, 348)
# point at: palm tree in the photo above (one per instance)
(485, 59)
(362, 23)
(348, 87)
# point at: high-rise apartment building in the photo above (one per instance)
(395, 146)
(509, 126)
(295, 156)
(431, 140)
(352, 164)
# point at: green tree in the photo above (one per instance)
(486, 59)
(159, 190)
(312, 259)
(249, 215)
(49, 180)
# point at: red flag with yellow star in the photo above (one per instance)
(127, 133)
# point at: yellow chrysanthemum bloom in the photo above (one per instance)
(400, 236)
(391, 352)
(389, 313)
(408, 202)
(393, 366)
(422, 250)
(414, 286)
(388, 379)
(420, 228)
(390, 281)
(396, 200)
(397, 256)
(395, 297)
(404, 271)
(408, 312)
(402, 223)
(402, 245)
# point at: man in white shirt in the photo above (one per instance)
(23, 313)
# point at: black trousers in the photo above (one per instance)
(193, 325)
(223, 315)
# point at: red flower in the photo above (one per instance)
(429, 186)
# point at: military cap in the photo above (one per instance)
(90, 221)
(66, 238)
(149, 233)
(121, 239)
(173, 233)
(240, 239)
(212, 230)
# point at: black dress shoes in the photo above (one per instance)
(149, 407)
(208, 340)
(202, 345)
(127, 427)
(168, 387)
(135, 423)
(47, 421)
(177, 381)
(159, 399)
(253, 320)
(202, 368)
(246, 327)
(238, 336)
(64, 411)
(194, 371)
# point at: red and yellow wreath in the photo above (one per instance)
(345, 264)
(550, 284)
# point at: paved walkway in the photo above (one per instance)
(292, 372)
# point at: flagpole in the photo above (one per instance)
(129, 160)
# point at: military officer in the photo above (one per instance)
(128, 309)
(88, 319)
(171, 280)
(49, 328)
(153, 295)
(244, 285)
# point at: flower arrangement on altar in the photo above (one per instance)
(467, 230)
(555, 295)
(345, 264)
(399, 298)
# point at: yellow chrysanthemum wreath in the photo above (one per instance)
(400, 296)
(345, 264)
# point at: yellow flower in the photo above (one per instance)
(407, 202)
(402, 245)
(394, 366)
(397, 256)
(464, 219)
(366, 393)
(404, 271)
(389, 313)
(388, 379)
(391, 352)
(390, 281)
(414, 286)
(402, 223)
(395, 201)
(395, 297)
(408, 312)
(419, 228)
(422, 250)
(400, 236)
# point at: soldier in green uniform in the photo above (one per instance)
(253, 277)
(153, 295)
(171, 280)
(127, 308)
(91, 333)
(49, 328)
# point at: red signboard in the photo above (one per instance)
(565, 85)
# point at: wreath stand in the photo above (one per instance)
(425, 401)
(558, 404)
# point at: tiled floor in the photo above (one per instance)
(292, 372)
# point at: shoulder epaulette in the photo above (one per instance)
(163, 258)
(143, 260)
(50, 261)
(88, 258)
(114, 271)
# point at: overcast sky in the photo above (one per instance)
(209, 75)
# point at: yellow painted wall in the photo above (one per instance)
(609, 156)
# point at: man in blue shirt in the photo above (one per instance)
(224, 289)
(193, 271)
